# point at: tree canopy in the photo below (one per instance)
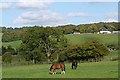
(91, 50)
(42, 40)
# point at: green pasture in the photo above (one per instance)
(112, 54)
(106, 39)
(107, 69)
(14, 44)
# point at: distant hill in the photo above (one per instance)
(14, 34)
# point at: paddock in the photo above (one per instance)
(108, 69)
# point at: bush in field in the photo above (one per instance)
(3, 50)
(11, 50)
(8, 49)
(7, 57)
(72, 53)
(90, 50)
(95, 50)
(62, 57)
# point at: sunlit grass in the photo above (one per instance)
(107, 69)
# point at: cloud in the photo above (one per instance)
(26, 4)
(108, 20)
(5, 5)
(78, 15)
(43, 17)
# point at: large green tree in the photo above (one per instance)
(46, 40)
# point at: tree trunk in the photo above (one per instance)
(48, 57)
(48, 53)
(57, 57)
(33, 61)
(48, 60)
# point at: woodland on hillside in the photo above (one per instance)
(13, 34)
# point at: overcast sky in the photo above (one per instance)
(19, 13)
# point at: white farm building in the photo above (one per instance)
(104, 32)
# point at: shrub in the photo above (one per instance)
(7, 57)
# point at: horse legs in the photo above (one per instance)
(50, 72)
(76, 66)
(72, 66)
(54, 71)
(63, 72)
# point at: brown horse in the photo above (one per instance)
(57, 66)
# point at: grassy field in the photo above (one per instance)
(14, 44)
(103, 38)
(107, 69)
(112, 54)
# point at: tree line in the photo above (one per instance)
(48, 44)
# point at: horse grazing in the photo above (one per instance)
(74, 64)
(57, 66)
